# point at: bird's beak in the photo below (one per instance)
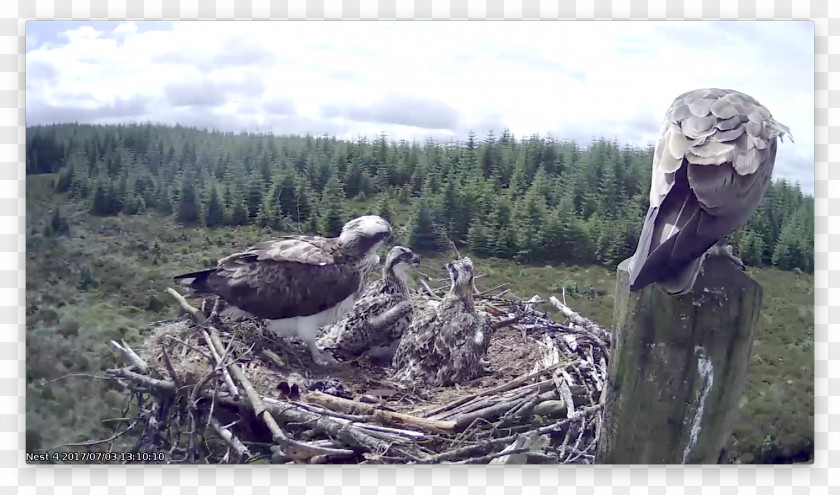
(415, 260)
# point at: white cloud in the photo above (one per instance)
(412, 80)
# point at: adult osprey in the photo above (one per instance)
(711, 167)
(444, 345)
(380, 315)
(299, 283)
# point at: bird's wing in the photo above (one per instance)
(417, 341)
(712, 165)
(311, 250)
(284, 278)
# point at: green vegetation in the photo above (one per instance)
(114, 211)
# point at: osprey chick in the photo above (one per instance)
(299, 283)
(444, 345)
(711, 167)
(380, 315)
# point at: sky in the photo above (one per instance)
(413, 80)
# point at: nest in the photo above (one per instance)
(230, 392)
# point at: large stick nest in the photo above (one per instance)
(229, 392)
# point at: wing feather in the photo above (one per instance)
(725, 153)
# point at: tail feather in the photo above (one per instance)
(196, 281)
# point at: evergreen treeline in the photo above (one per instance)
(534, 199)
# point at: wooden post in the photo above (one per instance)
(678, 367)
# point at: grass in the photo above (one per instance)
(106, 280)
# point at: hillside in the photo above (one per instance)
(141, 203)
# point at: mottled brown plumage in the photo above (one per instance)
(380, 316)
(444, 345)
(711, 166)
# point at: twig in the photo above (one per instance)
(188, 346)
(130, 355)
(218, 359)
(168, 364)
(501, 388)
(580, 320)
(430, 291)
(387, 417)
(487, 458)
(234, 443)
(96, 442)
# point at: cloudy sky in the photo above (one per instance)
(419, 79)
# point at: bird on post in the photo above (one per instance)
(444, 345)
(711, 166)
(380, 315)
(298, 283)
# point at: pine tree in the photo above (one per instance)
(254, 194)
(424, 233)
(332, 207)
(188, 212)
(215, 211)
(239, 209)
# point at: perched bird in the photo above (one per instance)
(298, 283)
(711, 166)
(380, 315)
(444, 344)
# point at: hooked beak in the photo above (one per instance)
(415, 260)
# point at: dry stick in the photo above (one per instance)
(95, 442)
(484, 292)
(501, 388)
(509, 321)
(430, 291)
(273, 357)
(168, 364)
(230, 438)
(130, 355)
(578, 319)
(218, 359)
(388, 417)
(463, 452)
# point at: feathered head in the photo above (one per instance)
(461, 275)
(399, 260)
(364, 235)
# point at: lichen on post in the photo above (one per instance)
(678, 367)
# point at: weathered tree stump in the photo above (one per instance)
(678, 367)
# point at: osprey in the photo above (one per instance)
(299, 283)
(380, 315)
(711, 167)
(444, 345)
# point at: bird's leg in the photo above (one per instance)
(308, 331)
(723, 249)
(321, 358)
(214, 313)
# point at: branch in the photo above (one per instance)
(586, 323)
(130, 355)
(386, 417)
(237, 446)
(430, 291)
(218, 359)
